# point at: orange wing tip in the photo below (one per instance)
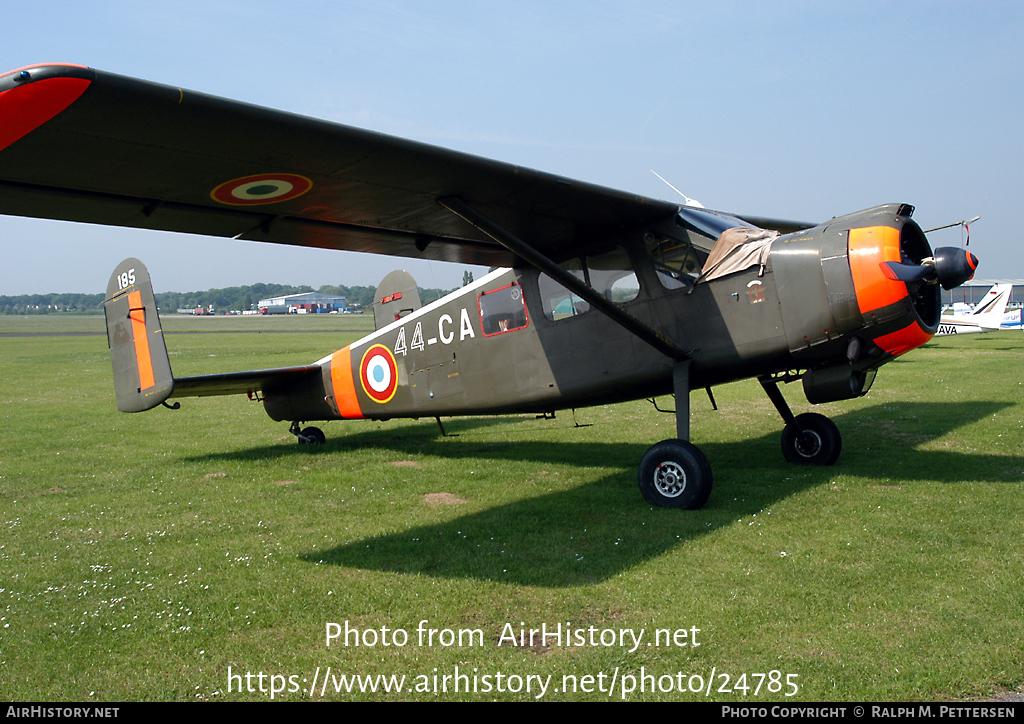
(25, 108)
(42, 65)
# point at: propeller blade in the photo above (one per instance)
(905, 272)
(950, 267)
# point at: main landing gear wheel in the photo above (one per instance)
(675, 474)
(819, 444)
(312, 436)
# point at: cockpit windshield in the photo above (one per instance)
(679, 259)
(709, 223)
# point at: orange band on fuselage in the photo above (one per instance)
(26, 107)
(869, 249)
(141, 339)
(344, 385)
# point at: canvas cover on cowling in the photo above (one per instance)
(737, 249)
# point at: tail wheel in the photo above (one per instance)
(816, 442)
(675, 474)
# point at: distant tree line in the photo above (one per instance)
(223, 300)
(47, 303)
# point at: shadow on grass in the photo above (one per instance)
(595, 531)
(889, 432)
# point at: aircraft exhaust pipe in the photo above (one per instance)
(832, 384)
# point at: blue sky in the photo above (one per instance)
(801, 110)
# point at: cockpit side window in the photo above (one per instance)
(557, 301)
(678, 261)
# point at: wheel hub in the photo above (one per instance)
(808, 444)
(670, 479)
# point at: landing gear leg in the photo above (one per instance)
(309, 435)
(808, 439)
(681, 388)
(675, 473)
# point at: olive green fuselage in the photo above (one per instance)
(798, 311)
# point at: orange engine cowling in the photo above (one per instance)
(846, 311)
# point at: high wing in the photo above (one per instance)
(83, 145)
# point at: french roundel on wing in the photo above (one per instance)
(264, 188)
(378, 373)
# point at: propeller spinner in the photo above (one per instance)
(949, 267)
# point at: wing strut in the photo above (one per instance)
(598, 301)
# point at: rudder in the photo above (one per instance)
(142, 369)
(396, 297)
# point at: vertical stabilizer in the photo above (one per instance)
(396, 297)
(142, 370)
(989, 311)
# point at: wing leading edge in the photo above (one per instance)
(82, 145)
(115, 150)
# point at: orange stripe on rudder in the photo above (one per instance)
(344, 385)
(869, 248)
(141, 339)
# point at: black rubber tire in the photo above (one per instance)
(820, 443)
(675, 474)
(312, 436)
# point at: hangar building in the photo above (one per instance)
(305, 303)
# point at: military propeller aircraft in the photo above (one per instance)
(600, 296)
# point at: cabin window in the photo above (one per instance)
(677, 261)
(610, 273)
(557, 301)
(502, 310)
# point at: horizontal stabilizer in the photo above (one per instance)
(142, 370)
(238, 383)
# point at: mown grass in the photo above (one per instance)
(142, 555)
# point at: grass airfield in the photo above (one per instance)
(144, 555)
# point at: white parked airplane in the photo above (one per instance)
(1011, 320)
(986, 317)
